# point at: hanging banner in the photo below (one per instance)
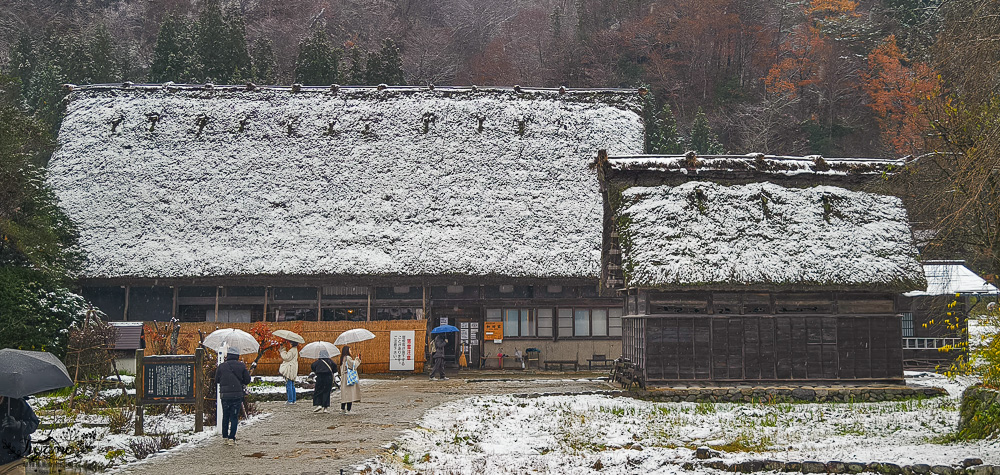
(401, 351)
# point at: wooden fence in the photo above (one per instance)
(374, 353)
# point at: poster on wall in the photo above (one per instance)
(401, 351)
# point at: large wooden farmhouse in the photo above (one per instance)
(447, 205)
(744, 268)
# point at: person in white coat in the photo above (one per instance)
(289, 368)
(350, 392)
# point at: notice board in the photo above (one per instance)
(401, 351)
(168, 380)
(493, 331)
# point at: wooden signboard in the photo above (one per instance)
(168, 380)
(493, 331)
(172, 379)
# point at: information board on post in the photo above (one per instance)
(168, 380)
(401, 350)
(493, 331)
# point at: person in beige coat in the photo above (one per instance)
(289, 368)
(349, 394)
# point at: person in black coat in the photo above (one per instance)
(17, 423)
(438, 356)
(231, 376)
(324, 368)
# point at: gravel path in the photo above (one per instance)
(295, 440)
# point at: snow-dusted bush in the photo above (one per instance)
(36, 314)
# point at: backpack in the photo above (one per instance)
(433, 347)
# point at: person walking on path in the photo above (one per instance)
(17, 423)
(437, 352)
(349, 391)
(324, 368)
(289, 368)
(231, 376)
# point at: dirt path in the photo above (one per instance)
(294, 440)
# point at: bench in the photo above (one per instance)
(601, 360)
(627, 374)
(550, 363)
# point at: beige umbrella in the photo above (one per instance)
(315, 350)
(354, 336)
(289, 335)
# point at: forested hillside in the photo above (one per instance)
(813, 76)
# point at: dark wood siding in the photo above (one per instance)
(765, 347)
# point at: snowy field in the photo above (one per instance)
(581, 434)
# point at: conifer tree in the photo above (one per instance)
(264, 66)
(172, 55)
(317, 63)
(665, 139)
(104, 64)
(385, 66)
(22, 60)
(703, 140)
(221, 46)
(356, 75)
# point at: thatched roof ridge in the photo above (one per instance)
(693, 165)
(175, 181)
(703, 234)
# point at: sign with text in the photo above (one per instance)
(401, 352)
(168, 380)
(493, 331)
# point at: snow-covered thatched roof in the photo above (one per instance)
(950, 278)
(755, 163)
(704, 234)
(167, 181)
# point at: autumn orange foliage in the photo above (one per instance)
(897, 92)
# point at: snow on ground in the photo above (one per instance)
(571, 434)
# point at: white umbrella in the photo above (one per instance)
(242, 341)
(354, 336)
(289, 335)
(314, 350)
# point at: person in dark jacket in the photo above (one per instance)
(324, 368)
(231, 376)
(17, 423)
(438, 356)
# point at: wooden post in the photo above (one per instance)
(140, 383)
(319, 303)
(265, 302)
(125, 311)
(199, 393)
(369, 317)
(173, 311)
(216, 304)
(424, 295)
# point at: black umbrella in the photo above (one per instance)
(23, 373)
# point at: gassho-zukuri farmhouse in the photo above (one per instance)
(528, 207)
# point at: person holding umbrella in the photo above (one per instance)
(437, 353)
(231, 376)
(289, 368)
(324, 368)
(17, 423)
(23, 373)
(350, 392)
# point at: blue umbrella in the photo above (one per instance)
(444, 329)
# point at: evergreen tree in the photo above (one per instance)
(221, 46)
(45, 93)
(104, 63)
(22, 60)
(385, 66)
(318, 62)
(173, 59)
(356, 75)
(264, 66)
(703, 140)
(664, 137)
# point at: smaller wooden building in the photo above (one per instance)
(745, 269)
(935, 320)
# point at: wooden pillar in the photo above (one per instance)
(424, 298)
(217, 304)
(369, 317)
(319, 303)
(199, 392)
(173, 311)
(265, 302)
(125, 311)
(140, 389)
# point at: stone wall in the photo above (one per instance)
(788, 394)
(979, 414)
